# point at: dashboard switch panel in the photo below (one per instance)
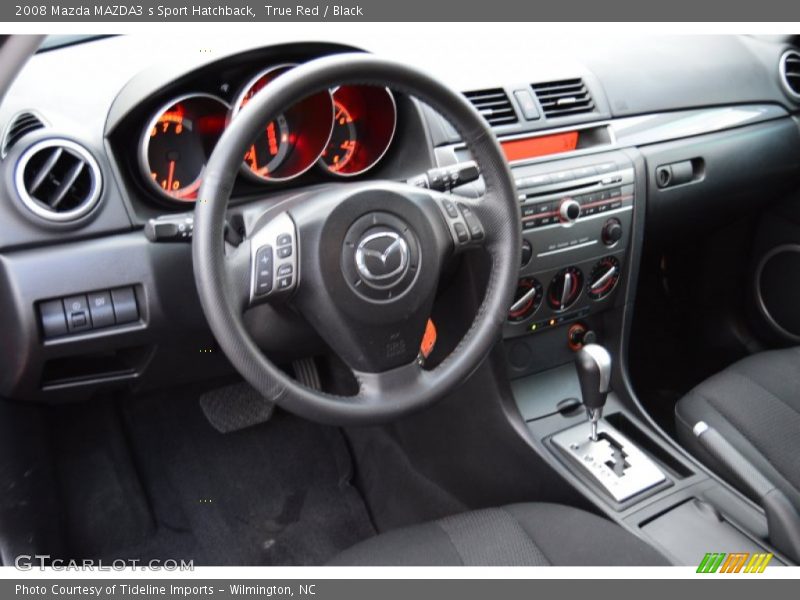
(86, 312)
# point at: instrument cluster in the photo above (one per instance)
(343, 132)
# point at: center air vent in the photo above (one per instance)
(790, 73)
(22, 124)
(493, 105)
(58, 180)
(563, 98)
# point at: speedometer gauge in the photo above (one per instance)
(342, 147)
(363, 127)
(178, 142)
(291, 143)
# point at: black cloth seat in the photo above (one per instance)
(515, 535)
(755, 404)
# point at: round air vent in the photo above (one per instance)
(790, 73)
(58, 180)
(778, 290)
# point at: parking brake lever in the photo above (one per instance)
(783, 522)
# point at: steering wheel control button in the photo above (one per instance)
(77, 310)
(450, 209)
(54, 323)
(273, 258)
(473, 224)
(264, 270)
(100, 309)
(124, 302)
(461, 233)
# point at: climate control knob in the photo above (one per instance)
(527, 299)
(565, 288)
(569, 211)
(612, 232)
(604, 278)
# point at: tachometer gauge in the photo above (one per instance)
(364, 122)
(177, 143)
(290, 144)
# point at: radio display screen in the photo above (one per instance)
(533, 147)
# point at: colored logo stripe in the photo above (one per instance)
(735, 562)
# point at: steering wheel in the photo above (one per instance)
(360, 261)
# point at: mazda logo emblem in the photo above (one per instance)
(382, 258)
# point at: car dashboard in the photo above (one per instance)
(100, 175)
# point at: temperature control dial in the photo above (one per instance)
(565, 288)
(604, 278)
(527, 299)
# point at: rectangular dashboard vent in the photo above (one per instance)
(563, 98)
(494, 106)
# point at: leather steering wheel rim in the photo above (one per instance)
(387, 395)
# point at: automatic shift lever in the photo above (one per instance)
(594, 373)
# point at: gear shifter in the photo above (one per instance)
(594, 373)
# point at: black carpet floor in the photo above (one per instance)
(154, 480)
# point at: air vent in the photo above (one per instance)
(22, 124)
(58, 180)
(790, 73)
(493, 105)
(563, 98)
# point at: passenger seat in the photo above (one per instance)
(755, 405)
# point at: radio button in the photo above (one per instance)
(537, 180)
(560, 176)
(607, 167)
(584, 172)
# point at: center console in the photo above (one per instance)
(581, 227)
